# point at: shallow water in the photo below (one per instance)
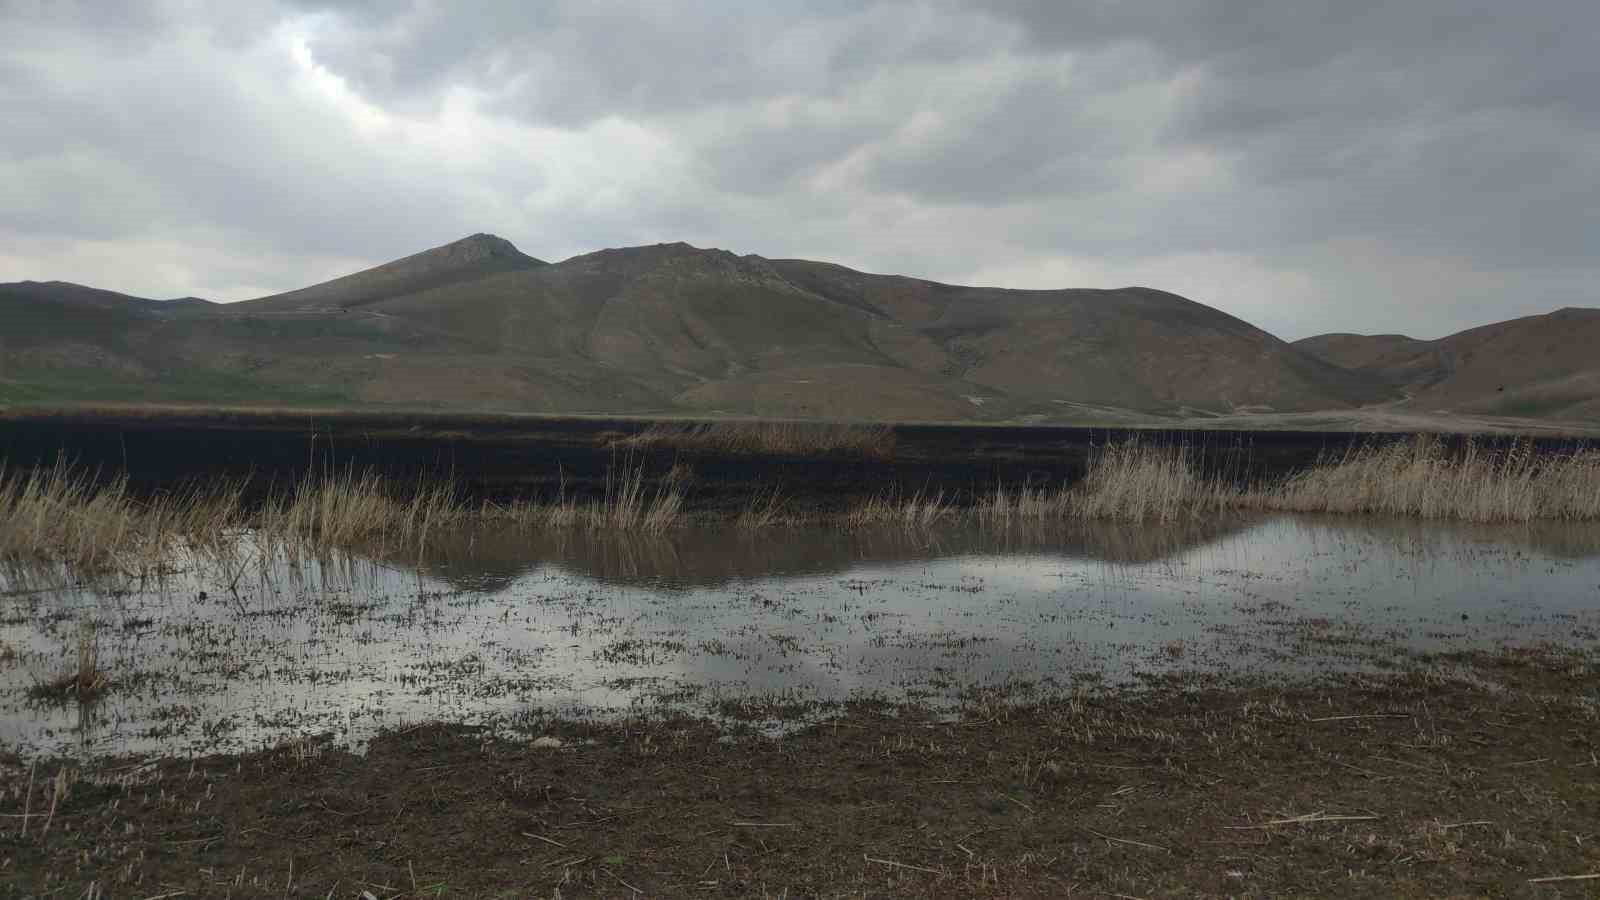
(502, 629)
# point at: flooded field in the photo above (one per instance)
(240, 650)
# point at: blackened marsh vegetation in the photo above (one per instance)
(68, 513)
(498, 456)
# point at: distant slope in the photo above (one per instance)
(69, 295)
(63, 342)
(1361, 351)
(1537, 366)
(1135, 347)
(673, 328)
(1403, 362)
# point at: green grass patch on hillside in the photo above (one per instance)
(45, 386)
(1535, 405)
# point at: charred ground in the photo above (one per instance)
(501, 456)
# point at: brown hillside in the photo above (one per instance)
(1542, 366)
(45, 294)
(477, 324)
(1135, 347)
(1403, 362)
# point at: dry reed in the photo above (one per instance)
(630, 503)
(1421, 478)
(359, 510)
(88, 680)
(1133, 482)
(83, 683)
(1025, 503)
(68, 514)
(767, 438)
(766, 509)
(1127, 481)
(64, 514)
(920, 510)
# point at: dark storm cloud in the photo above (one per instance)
(1055, 132)
(1450, 125)
(569, 62)
(166, 142)
(1303, 164)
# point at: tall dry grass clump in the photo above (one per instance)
(1421, 478)
(1129, 481)
(919, 510)
(774, 438)
(631, 502)
(88, 679)
(83, 683)
(359, 510)
(766, 509)
(62, 514)
(1135, 482)
(67, 514)
(1024, 503)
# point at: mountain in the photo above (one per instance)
(466, 260)
(477, 324)
(1537, 366)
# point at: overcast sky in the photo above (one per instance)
(1350, 165)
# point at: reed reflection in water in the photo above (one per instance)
(233, 648)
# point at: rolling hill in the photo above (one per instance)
(671, 328)
(1544, 366)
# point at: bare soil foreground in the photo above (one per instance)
(1452, 777)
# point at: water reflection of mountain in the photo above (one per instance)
(712, 557)
(709, 557)
(1554, 539)
(1563, 540)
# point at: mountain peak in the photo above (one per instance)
(467, 259)
(490, 244)
(482, 245)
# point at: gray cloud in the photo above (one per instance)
(1350, 165)
(1447, 126)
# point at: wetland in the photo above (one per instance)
(921, 677)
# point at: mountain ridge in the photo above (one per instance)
(476, 324)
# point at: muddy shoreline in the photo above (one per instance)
(1449, 777)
